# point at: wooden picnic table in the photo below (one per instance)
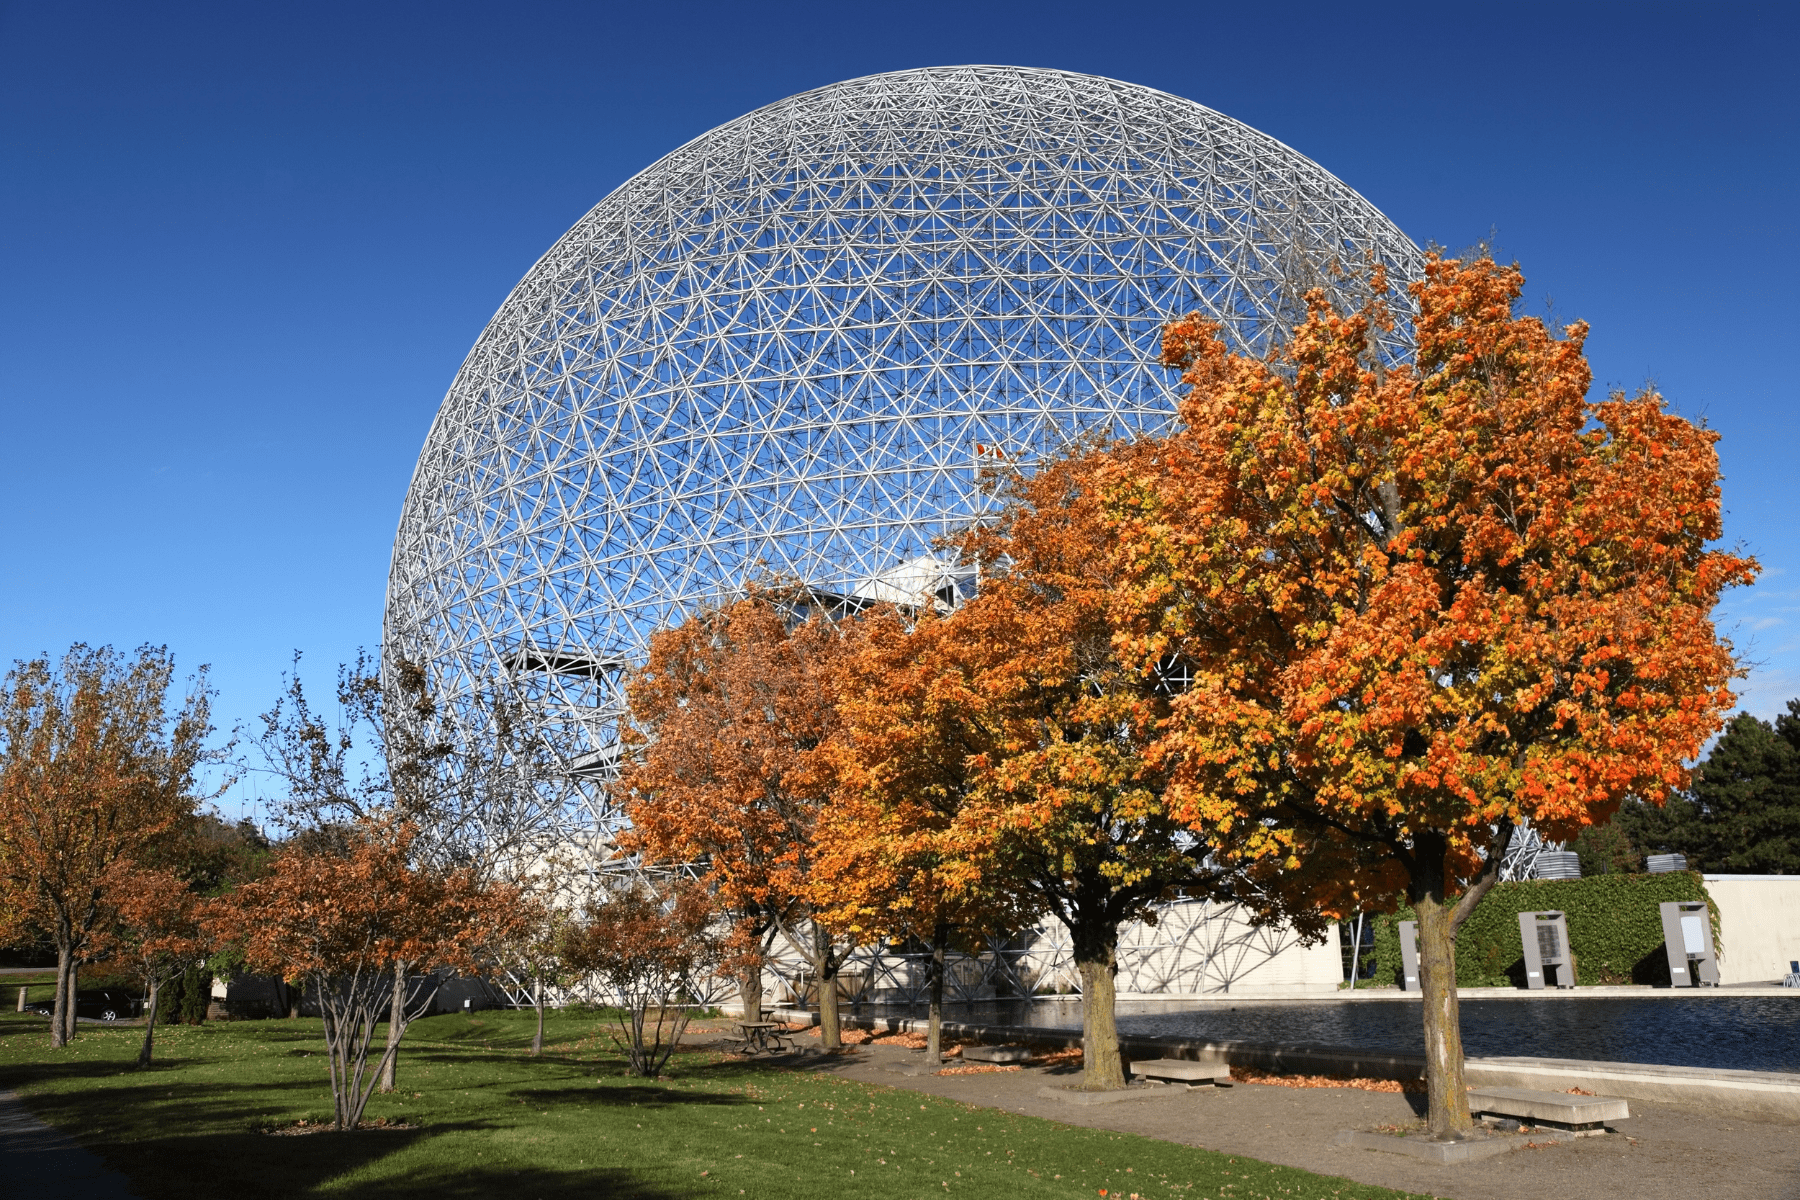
(761, 1036)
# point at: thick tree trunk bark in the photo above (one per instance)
(1447, 1103)
(1096, 957)
(64, 1005)
(390, 1063)
(537, 1000)
(830, 1033)
(934, 1022)
(750, 993)
(150, 1022)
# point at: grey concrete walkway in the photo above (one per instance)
(36, 1159)
(1665, 1152)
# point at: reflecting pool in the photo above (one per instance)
(1751, 1033)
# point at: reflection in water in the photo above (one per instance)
(1753, 1033)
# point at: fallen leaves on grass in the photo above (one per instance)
(303, 1127)
(1252, 1075)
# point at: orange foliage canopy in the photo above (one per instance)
(1001, 748)
(892, 857)
(1423, 600)
(353, 915)
(730, 712)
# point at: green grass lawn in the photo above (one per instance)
(492, 1121)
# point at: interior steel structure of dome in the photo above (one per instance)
(775, 351)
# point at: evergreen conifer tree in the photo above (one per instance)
(1743, 813)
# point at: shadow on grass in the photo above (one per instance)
(167, 1164)
(231, 1166)
(619, 1094)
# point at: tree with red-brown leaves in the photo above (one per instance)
(653, 951)
(730, 714)
(341, 917)
(159, 929)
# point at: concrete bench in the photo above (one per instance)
(1560, 1110)
(1184, 1070)
(996, 1054)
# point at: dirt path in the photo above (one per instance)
(1663, 1152)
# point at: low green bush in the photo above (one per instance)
(1615, 929)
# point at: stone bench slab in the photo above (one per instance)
(1559, 1107)
(996, 1054)
(1182, 1068)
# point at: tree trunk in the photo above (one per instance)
(1447, 1103)
(1096, 957)
(150, 1021)
(537, 1000)
(750, 993)
(74, 991)
(830, 1034)
(64, 1006)
(934, 1021)
(390, 1062)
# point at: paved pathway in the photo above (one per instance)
(37, 1160)
(1666, 1152)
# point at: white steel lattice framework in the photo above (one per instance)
(776, 350)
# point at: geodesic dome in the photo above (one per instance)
(775, 352)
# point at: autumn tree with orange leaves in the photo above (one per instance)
(1421, 604)
(729, 715)
(1065, 814)
(908, 756)
(340, 917)
(95, 765)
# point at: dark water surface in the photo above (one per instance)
(1746, 1033)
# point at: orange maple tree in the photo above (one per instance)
(93, 767)
(1065, 814)
(340, 917)
(730, 712)
(907, 754)
(1421, 604)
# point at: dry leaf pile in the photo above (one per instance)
(1252, 1075)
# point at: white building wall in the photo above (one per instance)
(1196, 948)
(1759, 922)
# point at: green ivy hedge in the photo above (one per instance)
(1615, 929)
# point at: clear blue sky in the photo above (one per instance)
(243, 248)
